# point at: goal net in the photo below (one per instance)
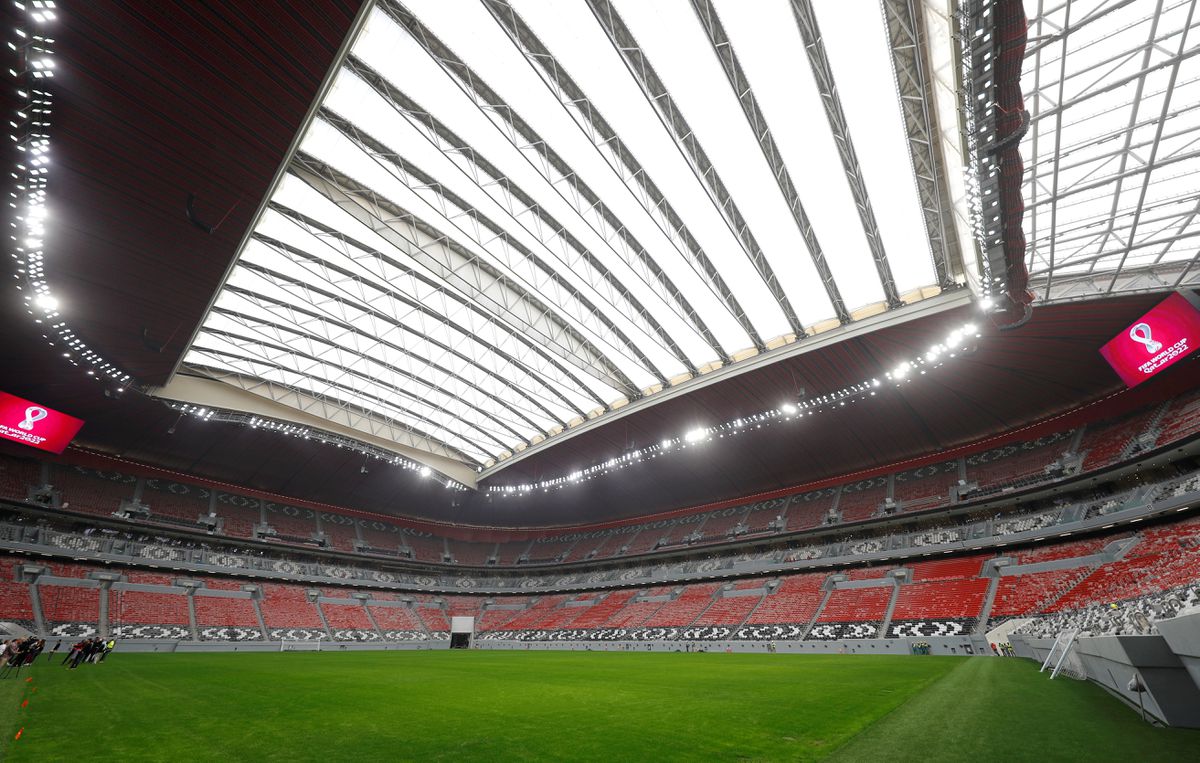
(300, 645)
(1063, 660)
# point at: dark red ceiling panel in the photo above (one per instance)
(156, 100)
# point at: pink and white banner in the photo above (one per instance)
(26, 422)
(1156, 341)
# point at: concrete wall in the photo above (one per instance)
(947, 646)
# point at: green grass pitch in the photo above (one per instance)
(490, 706)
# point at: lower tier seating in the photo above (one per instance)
(1145, 575)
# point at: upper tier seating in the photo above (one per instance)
(1104, 443)
(925, 487)
(342, 536)
(85, 490)
(862, 500)
(17, 475)
(1182, 419)
(238, 517)
(164, 502)
(1016, 464)
(810, 509)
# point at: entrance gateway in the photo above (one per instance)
(461, 631)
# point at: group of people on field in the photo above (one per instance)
(17, 653)
(88, 650)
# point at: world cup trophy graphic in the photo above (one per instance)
(33, 414)
(1140, 333)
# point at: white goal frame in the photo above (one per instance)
(296, 644)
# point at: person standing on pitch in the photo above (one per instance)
(54, 650)
(109, 645)
(73, 651)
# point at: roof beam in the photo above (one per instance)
(262, 320)
(814, 46)
(399, 399)
(266, 303)
(231, 391)
(325, 235)
(723, 49)
(462, 270)
(621, 160)
(1158, 131)
(689, 146)
(586, 203)
(910, 58)
(573, 255)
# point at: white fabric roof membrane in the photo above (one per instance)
(1112, 156)
(497, 226)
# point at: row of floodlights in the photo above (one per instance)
(302, 432)
(30, 134)
(956, 341)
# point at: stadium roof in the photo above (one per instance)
(507, 219)
(164, 106)
(1112, 170)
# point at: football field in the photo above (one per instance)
(488, 706)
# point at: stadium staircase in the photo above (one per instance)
(891, 608)
(989, 599)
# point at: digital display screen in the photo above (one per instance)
(1165, 335)
(29, 423)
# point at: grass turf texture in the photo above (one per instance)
(568, 706)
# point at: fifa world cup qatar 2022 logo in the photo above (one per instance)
(36, 425)
(1160, 338)
(1140, 333)
(33, 414)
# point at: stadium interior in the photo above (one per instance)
(601, 380)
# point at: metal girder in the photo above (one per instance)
(814, 46)
(549, 164)
(268, 305)
(1158, 278)
(325, 235)
(268, 354)
(622, 162)
(338, 412)
(1081, 187)
(262, 320)
(461, 270)
(659, 98)
(1166, 107)
(1092, 93)
(910, 59)
(723, 48)
(490, 237)
(1062, 81)
(1099, 238)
